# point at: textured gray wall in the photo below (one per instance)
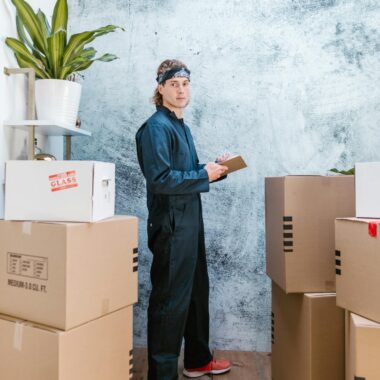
(292, 85)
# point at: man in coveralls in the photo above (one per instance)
(178, 304)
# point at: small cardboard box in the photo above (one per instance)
(362, 348)
(98, 350)
(307, 336)
(357, 263)
(69, 191)
(367, 189)
(66, 274)
(299, 220)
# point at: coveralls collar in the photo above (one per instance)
(168, 112)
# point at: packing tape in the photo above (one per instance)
(372, 229)
(17, 337)
(27, 228)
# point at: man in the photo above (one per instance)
(178, 304)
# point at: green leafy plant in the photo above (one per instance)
(46, 48)
(345, 172)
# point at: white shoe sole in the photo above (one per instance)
(199, 374)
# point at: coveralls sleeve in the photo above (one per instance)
(161, 178)
(199, 166)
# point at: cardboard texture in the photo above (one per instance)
(307, 336)
(234, 163)
(367, 189)
(66, 274)
(72, 191)
(299, 220)
(362, 348)
(357, 266)
(98, 350)
(346, 338)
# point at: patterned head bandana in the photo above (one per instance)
(173, 73)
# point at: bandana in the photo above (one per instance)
(173, 73)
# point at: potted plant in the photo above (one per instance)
(55, 58)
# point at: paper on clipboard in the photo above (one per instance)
(234, 163)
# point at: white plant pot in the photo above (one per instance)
(58, 100)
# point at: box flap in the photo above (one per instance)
(359, 321)
(361, 220)
(320, 295)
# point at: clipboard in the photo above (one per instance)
(234, 163)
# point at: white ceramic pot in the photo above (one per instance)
(58, 100)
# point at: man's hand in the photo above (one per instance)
(223, 157)
(215, 171)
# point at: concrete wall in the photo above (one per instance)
(13, 99)
(292, 85)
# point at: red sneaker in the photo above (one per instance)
(214, 367)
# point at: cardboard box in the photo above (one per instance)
(357, 266)
(363, 349)
(367, 188)
(98, 350)
(307, 336)
(72, 191)
(299, 220)
(66, 274)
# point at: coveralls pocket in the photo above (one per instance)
(177, 213)
(159, 229)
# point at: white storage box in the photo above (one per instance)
(68, 191)
(367, 188)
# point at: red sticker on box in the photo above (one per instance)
(63, 181)
(372, 229)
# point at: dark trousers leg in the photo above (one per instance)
(197, 352)
(175, 254)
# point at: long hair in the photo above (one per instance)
(165, 66)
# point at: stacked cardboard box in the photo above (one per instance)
(97, 350)
(308, 336)
(357, 264)
(362, 348)
(65, 191)
(307, 328)
(67, 288)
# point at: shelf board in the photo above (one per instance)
(47, 127)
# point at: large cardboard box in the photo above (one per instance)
(357, 266)
(98, 350)
(72, 191)
(307, 336)
(65, 274)
(367, 189)
(299, 220)
(362, 348)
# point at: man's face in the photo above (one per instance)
(175, 92)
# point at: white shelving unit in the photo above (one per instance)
(47, 127)
(44, 127)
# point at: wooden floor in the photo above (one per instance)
(245, 365)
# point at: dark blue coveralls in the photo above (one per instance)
(178, 304)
